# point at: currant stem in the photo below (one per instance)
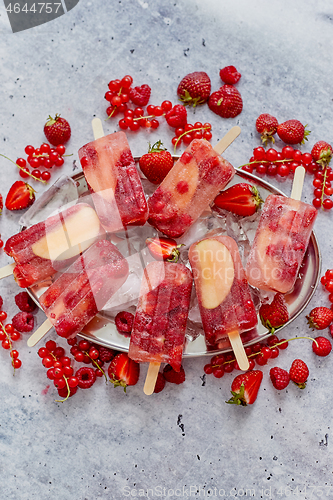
(26, 171)
(266, 161)
(68, 392)
(10, 344)
(97, 365)
(323, 188)
(187, 132)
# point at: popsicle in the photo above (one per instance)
(158, 333)
(82, 290)
(46, 247)
(224, 297)
(281, 240)
(113, 180)
(190, 186)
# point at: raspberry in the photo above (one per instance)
(105, 354)
(124, 322)
(140, 95)
(86, 377)
(23, 322)
(160, 383)
(172, 376)
(280, 378)
(323, 348)
(24, 302)
(229, 75)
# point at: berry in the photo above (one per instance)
(240, 199)
(160, 383)
(267, 125)
(245, 387)
(299, 373)
(157, 163)
(105, 354)
(124, 322)
(280, 378)
(323, 346)
(229, 75)
(172, 376)
(275, 314)
(292, 132)
(320, 318)
(20, 196)
(140, 95)
(226, 102)
(57, 130)
(86, 377)
(123, 371)
(163, 248)
(177, 116)
(24, 302)
(23, 322)
(322, 153)
(194, 88)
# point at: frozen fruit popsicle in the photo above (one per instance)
(158, 333)
(84, 288)
(224, 297)
(44, 248)
(190, 186)
(114, 181)
(280, 243)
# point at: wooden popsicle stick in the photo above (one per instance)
(97, 127)
(239, 351)
(229, 137)
(151, 378)
(297, 188)
(7, 270)
(39, 333)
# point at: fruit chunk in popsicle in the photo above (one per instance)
(84, 288)
(112, 177)
(44, 248)
(224, 297)
(158, 333)
(192, 183)
(280, 243)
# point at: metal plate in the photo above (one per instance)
(102, 330)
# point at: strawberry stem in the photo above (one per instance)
(26, 171)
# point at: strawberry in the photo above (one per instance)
(177, 116)
(240, 199)
(275, 314)
(292, 132)
(163, 248)
(21, 195)
(194, 88)
(322, 153)
(321, 346)
(299, 373)
(320, 318)
(229, 75)
(157, 163)
(123, 371)
(245, 387)
(1, 203)
(140, 95)
(226, 102)
(57, 130)
(280, 378)
(267, 126)
(172, 376)
(160, 383)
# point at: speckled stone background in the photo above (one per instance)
(184, 442)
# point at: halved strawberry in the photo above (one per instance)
(123, 371)
(245, 387)
(21, 195)
(163, 248)
(240, 199)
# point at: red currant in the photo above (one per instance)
(271, 154)
(46, 176)
(259, 153)
(29, 150)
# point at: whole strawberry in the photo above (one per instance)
(177, 116)
(1, 203)
(320, 318)
(322, 153)
(157, 163)
(321, 346)
(57, 130)
(275, 314)
(299, 373)
(229, 75)
(194, 88)
(280, 378)
(267, 126)
(292, 132)
(226, 102)
(140, 95)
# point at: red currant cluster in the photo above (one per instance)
(42, 157)
(189, 132)
(327, 282)
(8, 335)
(322, 188)
(258, 353)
